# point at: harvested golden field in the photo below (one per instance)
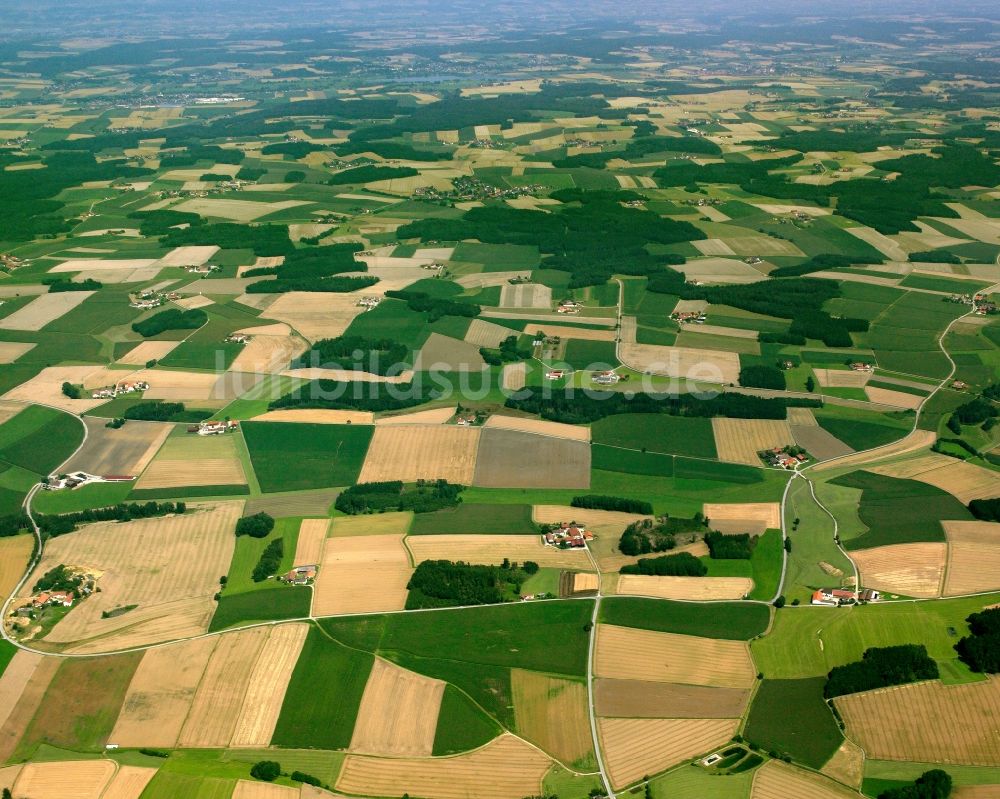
(218, 702)
(315, 314)
(189, 256)
(841, 378)
(161, 692)
(512, 459)
(26, 706)
(446, 354)
(976, 792)
(80, 779)
(415, 452)
(777, 780)
(552, 713)
(847, 765)
(317, 416)
(908, 569)
(265, 692)
(487, 334)
(192, 460)
(927, 722)
(640, 699)
(10, 351)
(584, 582)
(492, 549)
(564, 331)
(739, 440)
(598, 521)
(700, 588)
(634, 748)
(389, 523)
(312, 538)
(268, 354)
(148, 351)
(398, 713)
(347, 375)
(433, 416)
(514, 376)
(178, 386)
(539, 427)
(743, 517)
(168, 567)
(8, 410)
(253, 789)
(625, 653)
(46, 387)
(973, 557)
(965, 481)
(125, 451)
(195, 301)
(15, 679)
(686, 363)
(43, 309)
(235, 210)
(898, 399)
(525, 295)
(15, 553)
(802, 417)
(916, 440)
(506, 768)
(362, 574)
(128, 783)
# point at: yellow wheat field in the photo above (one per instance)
(908, 569)
(703, 588)
(552, 712)
(898, 399)
(161, 692)
(739, 440)
(46, 386)
(398, 713)
(316, 315)
(841, 378)
(415, 452)
(629, 654)
(742, 517)
(973, 557)
(847, 765)
(706, 366)
(540, 426)
(912, 442)
(966, 481)
(634, 748)
(177, 386)
(218, 702)
(26, 706)
(81, 779)
(311, 540)
(801, 417)
(492, 549)
(390, 523)
(586, 581)
(362, 574)
(10, 351)
(252, 789)
(927, 722)
(976, 792)
(265, 691)
(15, 679)
(194, 461)
(777, 780)
(268, 354)
(562, 331)
(487, 334)
(506, 768)
(43, 309)
(129, 782)
(14, 554)
(599, 521)
(638, 699)
(433, 416)
(317, 416)
(168, 567)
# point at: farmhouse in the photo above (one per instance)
(77, 479)
(124, 387)
(567, 535)
(555, 374)
(606, 378)
(213, 428)
(689, 317)
(237, 338)
(783, 458)
(861, 366)
(835, 597)
(300, 575)
(368, 302)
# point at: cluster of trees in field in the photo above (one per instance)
(933, 784)
(640, 147)
(392, 495)
(574, 407)
(987, 510)
(58, 578)
(603, 502)
(36, 211)
(270, 770)
(683, 564)
(367, 174)
(798, 299)
(154, 411)
(507, 352)
(264, 240)
(592, 236)
(59, 285)
(314, 262)
(762, 376)
(361, 396)
(193, 153)
(434, 307)
(170, 319)
(258, 525)
(821, 263)
(980, 650)
(53, 525)
(730, 547)
(294, 149)
(14, 523)
(975, 411)
(377, 356)
(269, 561)
(657, 535)
(880, 667)
(444, 583)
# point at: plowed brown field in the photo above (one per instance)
(638, 699)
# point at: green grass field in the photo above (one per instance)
(470, 518)
(859, 434)
(675, 435)
(292, 456)
(812, 543)
(765, 563)
(39, 439)
(733, 621)
(899, 511)
(272, 603)
(629, 461)
(809, 641)
(692, 782)
(321, 703)
(248, 551)
(461, 725)
(590, 355)
(810, 734)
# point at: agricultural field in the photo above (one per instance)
(433, 310)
